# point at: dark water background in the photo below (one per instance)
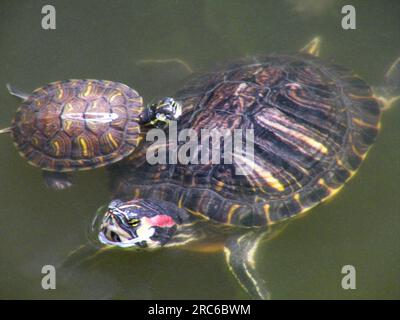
(105, 40)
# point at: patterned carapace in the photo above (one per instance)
(313, 124)
(78, 124)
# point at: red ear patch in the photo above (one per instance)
(162, 220)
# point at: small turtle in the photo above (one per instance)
(313, 124)
(82, 124)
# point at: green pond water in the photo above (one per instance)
(106, 40)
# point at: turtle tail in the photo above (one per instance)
(5, 130)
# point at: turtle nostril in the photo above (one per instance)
(115, 237)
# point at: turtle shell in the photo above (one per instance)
(78, 124)
(313, 124)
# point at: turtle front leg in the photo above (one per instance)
(57, 180)
(240, 251)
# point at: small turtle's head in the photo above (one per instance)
(164, 111)
(137, 224)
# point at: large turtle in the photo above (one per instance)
(313, 124)
(82, 124)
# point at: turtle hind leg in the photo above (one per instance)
(313, 47)
(390, 93)
(16, 92)
(57, 180)
(239, 254)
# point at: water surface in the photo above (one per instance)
(105, 40)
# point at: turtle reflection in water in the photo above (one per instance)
(313, 125)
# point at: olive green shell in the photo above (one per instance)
(313, 125)
(78, 124)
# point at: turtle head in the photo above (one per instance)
(162, 112)
(137, 224)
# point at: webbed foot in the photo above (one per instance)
(239, 254)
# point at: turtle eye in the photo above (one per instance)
(134, 222)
